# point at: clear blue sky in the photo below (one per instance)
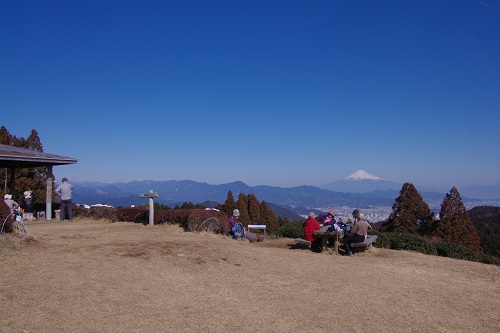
(280, 93)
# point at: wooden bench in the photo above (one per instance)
(302, 242)
(369, 240)
(261, 227)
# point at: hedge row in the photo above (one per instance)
(416, 243)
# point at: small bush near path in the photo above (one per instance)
(411, 242)
(452, 250)
(291, 230)
(383, 241)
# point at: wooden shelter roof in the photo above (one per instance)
(15, 157)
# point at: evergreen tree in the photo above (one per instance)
(5, 137)
(454, 224)
(410, 214)
(230, 204)
(242, 205)
(268, 218)
(189, 205)
(254, 209)
(33, 179)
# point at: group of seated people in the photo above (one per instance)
(354, 232)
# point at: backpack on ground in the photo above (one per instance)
(238, 230)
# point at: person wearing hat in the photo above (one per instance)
(251, 237)
(310, 226)
(64, 190)
(7, 198)
(28, 203)
(7, 224)
(358, 233)
(330, 219)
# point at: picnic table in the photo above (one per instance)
(325, 234)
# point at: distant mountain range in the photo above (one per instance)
(361, 190)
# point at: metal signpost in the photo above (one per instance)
(150, 196)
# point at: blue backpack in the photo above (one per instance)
(237, 230)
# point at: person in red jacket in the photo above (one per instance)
(310, 226)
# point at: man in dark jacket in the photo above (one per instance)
(28, 204)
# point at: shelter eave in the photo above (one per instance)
(15, 157)
(13, 163)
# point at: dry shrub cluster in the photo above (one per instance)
(5, 219)
(190, 220)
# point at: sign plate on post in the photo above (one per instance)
(150, 196)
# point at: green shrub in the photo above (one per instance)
(291, 230)
(383, 241)
(410, 242)
(489, 259)
(452, 250)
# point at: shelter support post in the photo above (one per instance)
(12, 182)
(48, 199)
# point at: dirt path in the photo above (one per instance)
(95, 276)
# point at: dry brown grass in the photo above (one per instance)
(95, 276)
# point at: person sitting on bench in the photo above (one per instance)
(251, 237)
(310, 226)
(357, 235)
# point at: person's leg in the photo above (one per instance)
(317, 245)
(347, 243)
(354, 239)
(62, 210)
(69, 206)
(250, 236)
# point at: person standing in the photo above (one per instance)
(65, 190)
(28, 203)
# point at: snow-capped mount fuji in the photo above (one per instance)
(361, 182)
(362, 175)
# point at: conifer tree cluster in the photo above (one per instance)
(454, 224)
(33, 179)
(251, 211)
(410, 213)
